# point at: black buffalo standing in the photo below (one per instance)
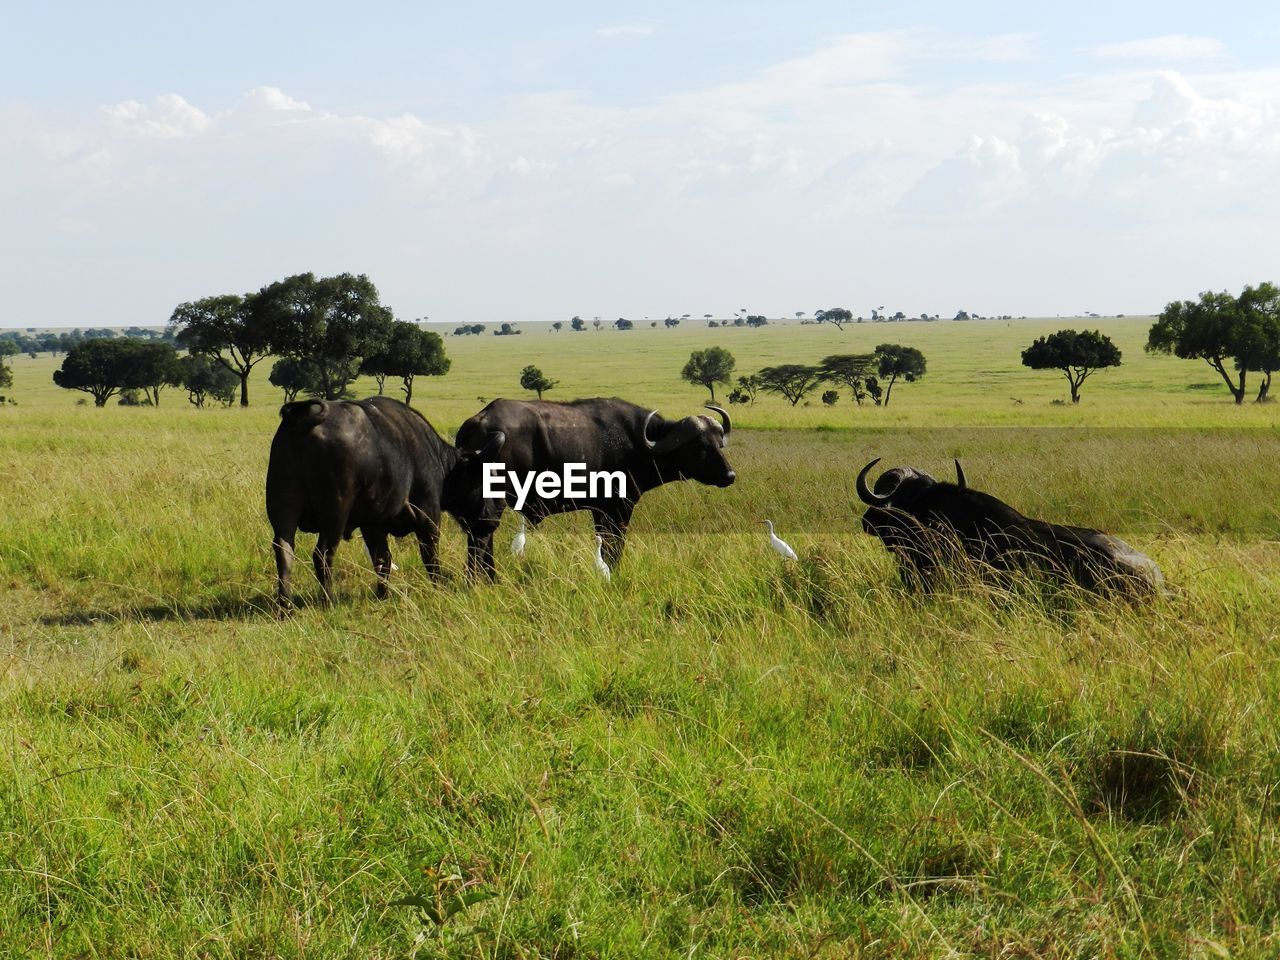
(373, 465)
(926, 523)
(605, 434)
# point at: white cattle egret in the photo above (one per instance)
(600, 564)
(779, 545)
(517, 542)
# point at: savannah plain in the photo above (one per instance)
(716, 754)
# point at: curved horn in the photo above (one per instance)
(724, 416)
(644, 431)
(864, 492)
(678, 434)
(496, 440)
(959, 475)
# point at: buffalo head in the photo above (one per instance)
(693, 447)
(903, 511)
(464, 486)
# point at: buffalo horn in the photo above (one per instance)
(496, 440)
(864, 492)
(724, 416)
(644, 432)
(680, 433)
(959, 475)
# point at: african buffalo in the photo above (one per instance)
(375, 465)
(605, 434)
(926, 523)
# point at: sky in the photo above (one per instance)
(514, 161)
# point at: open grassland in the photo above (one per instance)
(715, 754)
(975, 375)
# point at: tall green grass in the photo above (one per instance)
(717, 753)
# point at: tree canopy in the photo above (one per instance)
(709, 367)
(331, 322)
(894, 361)
(152, 365)
(1076, 354)
(205, 380)
(294, 377)
(836, 316)
(408, 352)
(229, 329)
(531, 378)
(851, 370)
(1234, 335)
(8, 348)
(102, 367)
(792, 380)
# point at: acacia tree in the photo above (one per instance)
(205, 380)
(152, 365)
(1260, 307)
(8, 348)
(231, 330)
(894, 360)
(408, 352)
(331, 322)
(792, 380)
(416, 353)
(293, 377)
(1077, 355)
(99, 367)
(850, 370)
(1232, 334)
(709, 367)
(531, 378)
(836, 316)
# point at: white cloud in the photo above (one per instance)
(1004, 47)
(166, 117)
(1174, 46)
(272, 99)
(827, 178)
(626, 30)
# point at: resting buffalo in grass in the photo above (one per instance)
(374, 465)
(928, 524)
(607, 435)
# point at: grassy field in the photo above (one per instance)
(714, 755)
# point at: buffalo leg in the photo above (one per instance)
(322, 558)
(380, 554)
(282, 545)
(612, 530)
(428, 533)
(480, 557)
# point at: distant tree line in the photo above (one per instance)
(1236, 335)
(869, 376)
(325, 332)
(33, 343)
(7, 349)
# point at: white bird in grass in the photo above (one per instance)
(779, 545)
(600, 564)
(517, 542)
